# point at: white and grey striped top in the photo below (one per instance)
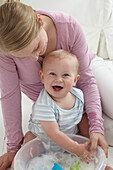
(46, 109)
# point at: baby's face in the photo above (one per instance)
(58, 76)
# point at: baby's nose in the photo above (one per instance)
(59, 79)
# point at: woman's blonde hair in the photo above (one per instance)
(18, 26)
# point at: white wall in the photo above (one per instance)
(51, 5)
(77, 8)
(72, 7)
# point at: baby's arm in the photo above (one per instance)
(61, 139)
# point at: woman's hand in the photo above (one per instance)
(28, 137)
(98, 139)
(6, 160)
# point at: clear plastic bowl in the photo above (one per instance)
(35, 148)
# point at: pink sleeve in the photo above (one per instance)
(11, 102)
(87, 80)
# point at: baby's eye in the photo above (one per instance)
(53, 74)
(65, 75)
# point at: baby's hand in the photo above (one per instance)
(84, 153)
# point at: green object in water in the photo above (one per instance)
(77, 166)
(71, 168)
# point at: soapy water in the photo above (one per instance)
(60, 156)
(65, 160)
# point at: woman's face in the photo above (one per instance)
(36, 48)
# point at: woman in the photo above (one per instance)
(26, 36)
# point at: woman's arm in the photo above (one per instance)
(11, 102)
(87, 82)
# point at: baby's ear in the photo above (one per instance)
(41, 76)
(76, 79)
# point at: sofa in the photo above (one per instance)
(96, 19)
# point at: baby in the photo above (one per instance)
(59, 107)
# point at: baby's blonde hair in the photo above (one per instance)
(18, 26)
(61, 54)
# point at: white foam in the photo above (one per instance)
(46, 162)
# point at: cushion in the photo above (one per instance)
(103, 71)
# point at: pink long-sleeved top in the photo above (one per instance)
(18, 75)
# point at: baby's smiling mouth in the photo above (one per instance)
(57, 88)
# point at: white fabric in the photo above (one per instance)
(97, 23)
(108, 125)
(103, 71)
